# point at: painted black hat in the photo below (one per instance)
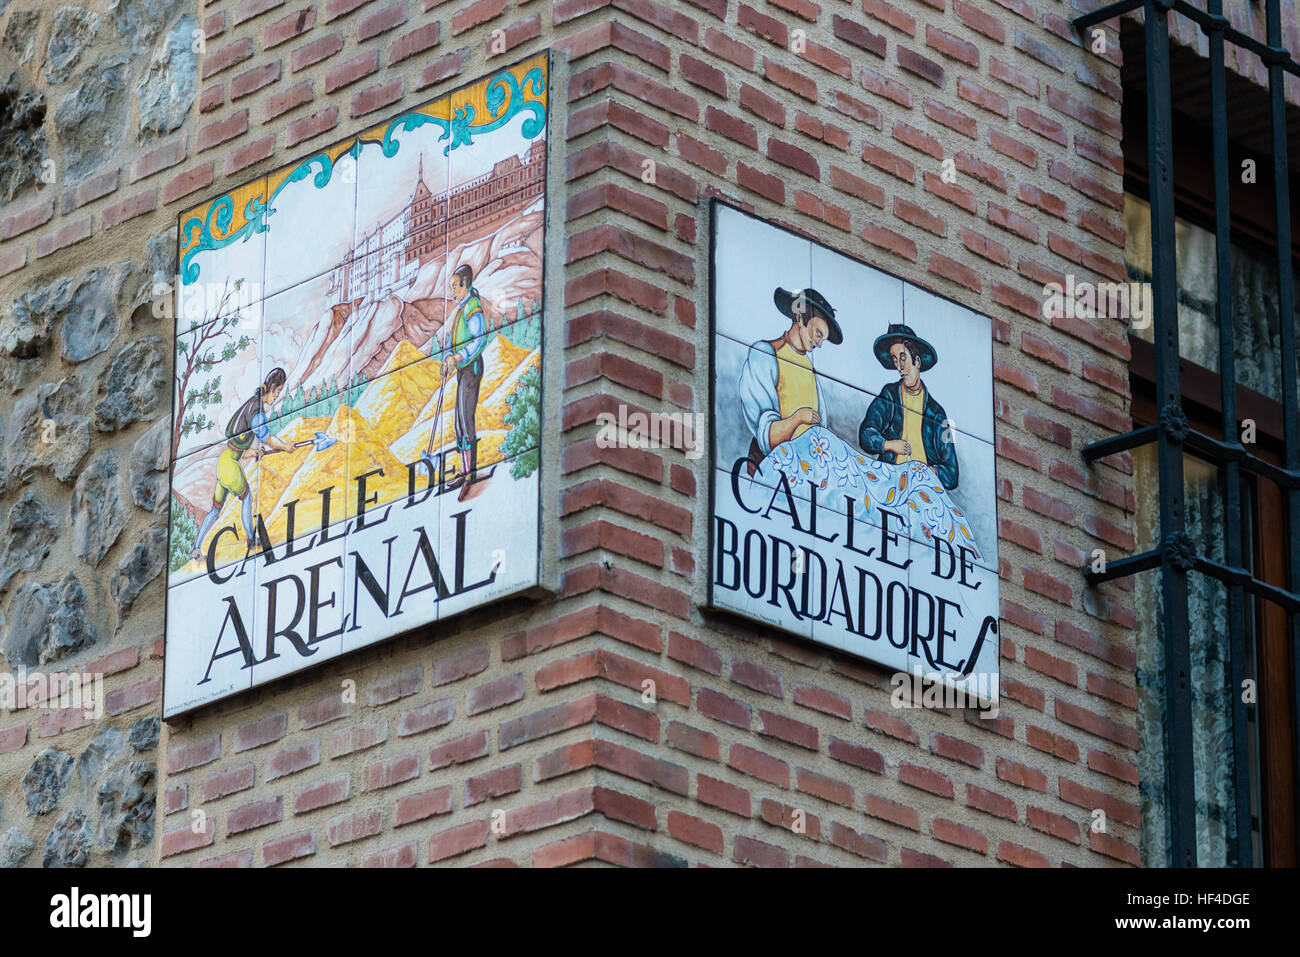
(897, 332)
(784, 300)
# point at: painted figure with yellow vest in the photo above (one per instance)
(780, 394)
(465, 343)
(905, 423)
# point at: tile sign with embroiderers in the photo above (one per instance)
(853, 499)
(356, 441)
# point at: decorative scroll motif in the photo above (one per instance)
(507, 96)
(207, 232)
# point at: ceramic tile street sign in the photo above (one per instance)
(357, 391)
(853, 498)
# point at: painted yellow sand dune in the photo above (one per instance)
(392, 402)
(300, 475)
(504, 363)
(388, 428)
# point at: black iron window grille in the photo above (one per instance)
(1176, 555)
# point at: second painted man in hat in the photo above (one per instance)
(905, 423)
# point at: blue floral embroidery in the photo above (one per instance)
(839, 471)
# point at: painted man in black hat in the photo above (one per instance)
(780, 394)
(249, 426)
(904, 423)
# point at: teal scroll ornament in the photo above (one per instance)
(505, 100)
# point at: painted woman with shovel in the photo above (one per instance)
(249, 424)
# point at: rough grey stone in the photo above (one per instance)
(140, 566)
(144, 733)
(46, 780)
(166, 87)
(158, 268)
(24, 333)
(70, 628)
(48, 430)
(27, 624)
(97, 513)
(20, 35)
(107, 745)
(134, 386)
(23, 149)
(17, 375)
(91, 120)
(47, 622)
(140, 21)
(81, 306)
(89, 322)
(28, 536)
(15, 848)
(147, 471)
(25, 324)
(126, 806)
(74, 29)
(69, 842)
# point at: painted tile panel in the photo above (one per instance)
(211, 633)
(217, 367)
(221, 252)
(311, 216)
(489, 535)
(393, 563)
(310, 342)
(758, 560)
(370, 367)
(401, 223)
(859, 594)
(214, 511)
(962, 344)
(302, 473)
(831, 411)
(301, 599)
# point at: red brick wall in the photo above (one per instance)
(520, 734)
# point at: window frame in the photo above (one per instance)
(1173, 432)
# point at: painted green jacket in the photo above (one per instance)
(468, 332)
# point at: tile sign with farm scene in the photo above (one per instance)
(853, 499)
(357, 391)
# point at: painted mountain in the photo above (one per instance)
(507, 272)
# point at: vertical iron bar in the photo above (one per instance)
(1179, 781)
(1286, 318)
(1236, 670)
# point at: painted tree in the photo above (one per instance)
(205, 347)
(332, 399)
(524, 423)
(357, 388)
(184, 531)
